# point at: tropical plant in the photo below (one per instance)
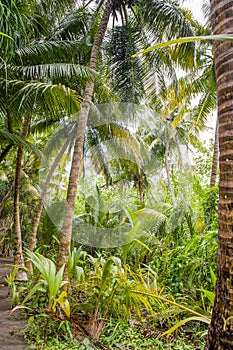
(220, 330)
(49, 283)
(113, 7)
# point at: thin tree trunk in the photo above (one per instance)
(5, 198)
(8, 147)
(32, 240)
(168, 174)
(78, 147)
(5, 152)
(18, 251)
(220, 335)
(214, 169)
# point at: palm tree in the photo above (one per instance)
(77, 154)
(157, 10)
(220, 334)
(31, 71)
(18, 250)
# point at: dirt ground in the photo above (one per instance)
(11, 337)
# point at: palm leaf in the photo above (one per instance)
(15, 139)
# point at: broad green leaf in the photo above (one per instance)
(80, 273)
(106, 271)
(63, 302)
(213, 276)
(38, 287)
(132, 233)
(210, 295)
(58, 280)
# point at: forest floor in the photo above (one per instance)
(11, 337)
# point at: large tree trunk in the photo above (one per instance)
(32, 240)
(214, 169)
(220, 336)
(18, 251)
(78, 147)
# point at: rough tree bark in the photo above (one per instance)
(220, 336)
(78, 147)
(214, 169)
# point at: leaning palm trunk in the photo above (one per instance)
(5, 152)
(214, 169)
(220, 336)
(32, 240)
(18, 251)
(78, 147)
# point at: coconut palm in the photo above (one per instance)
(164, 17)
(33, 76)
(220, 334)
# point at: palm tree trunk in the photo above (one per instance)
(78, 147)
(8, 147)
(32, 240)
(220, 336)
(214, 169)
(18, 251)
(5, 152)
(169, 182)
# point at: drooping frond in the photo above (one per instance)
(54, 71)
(57, 99)
(165, 20)
(126, 75)
(44, 52)
(15, 139)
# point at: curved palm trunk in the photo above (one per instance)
(18, 251)
(214, 169)
(78, 147)
(32, 240)
(168, 175)
(220, 336)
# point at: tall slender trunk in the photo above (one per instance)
(18, 251)
(214, 169)
(78, 147)
(220, 336)
(169, 182)
(32, 240)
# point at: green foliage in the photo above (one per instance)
(56, 336)
(50, 283)
(140, 335)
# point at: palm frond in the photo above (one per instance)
(15, 139)
(166, 20)
(43, 52)
(55, 98)
(56, 70)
